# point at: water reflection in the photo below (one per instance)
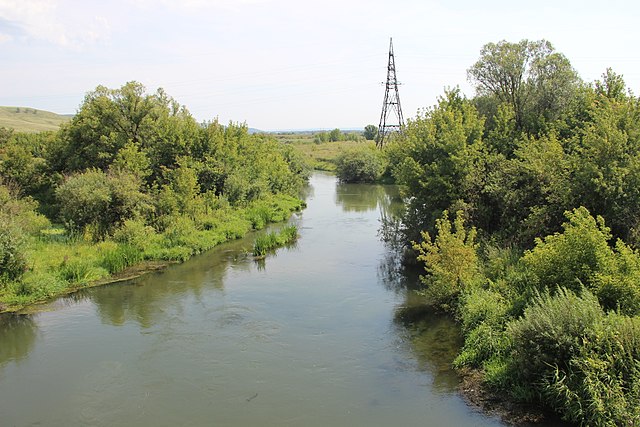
(317, 339)
(145, 300)
(363, 198)
(18, 334)
(433, 339)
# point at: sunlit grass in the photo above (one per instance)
(268, 242)
(323, 156)
(58, 263)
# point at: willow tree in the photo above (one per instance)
(530, 76)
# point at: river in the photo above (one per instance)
(322, 333)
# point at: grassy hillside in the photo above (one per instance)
(23, 119)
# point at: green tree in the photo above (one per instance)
(450, 260)
(370, 132)
(530, 192)
(111, 120)
(97, 203)
(335, 135)
(362, 164)
(438, 162)
(605, 158)
(530, 76)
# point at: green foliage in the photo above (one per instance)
(362, 164)
(572, 258)
(535, 161)
(134, 233)
(370, 132)
(602, 388)
(94, 201)
(450, 260)
(335, 135)
(552, 331)
(136, 167)
(581, 361)
(438, 162)
(80, 271)
(121, 257)
(268, 242)
(530, 76)
(13, 263)
(37, 286)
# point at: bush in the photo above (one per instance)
(13, 263)
(94, 200)
(598, 382)
(365, 164)
(135, 233)
(450, 261)
(552, 332)
(572, 258)
(482, 306)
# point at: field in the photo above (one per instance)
(320, 156)
(23, 119)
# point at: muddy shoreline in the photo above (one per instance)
(477, 395)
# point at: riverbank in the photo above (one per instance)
(312, 331)
(60, 264)
(490, 402)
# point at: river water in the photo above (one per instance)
(323, 333)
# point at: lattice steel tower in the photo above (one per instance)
(391, 103)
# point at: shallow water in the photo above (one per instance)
(325, 332)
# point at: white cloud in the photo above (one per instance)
(59, 22)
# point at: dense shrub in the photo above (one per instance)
(450, 260)
(365, 164)
(99, 202)
(579, 360)
(602, 385)
(571, 259)
(136, 234)
(13, 262)
(552, 332)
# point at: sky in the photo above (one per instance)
(291, 64)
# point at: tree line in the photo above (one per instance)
(131, 177)
(523, 205)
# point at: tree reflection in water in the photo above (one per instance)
(433, 339)
(18, 333)
(147, 300)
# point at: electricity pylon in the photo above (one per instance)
(391, 103)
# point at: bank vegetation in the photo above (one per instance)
(132, 178)
(523, 206)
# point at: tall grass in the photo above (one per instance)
(268, 242)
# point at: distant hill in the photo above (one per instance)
(24, 119)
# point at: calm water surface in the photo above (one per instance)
(324, 333)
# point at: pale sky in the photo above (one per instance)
(290, 64)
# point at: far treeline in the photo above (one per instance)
(131, 178)
(523, 203)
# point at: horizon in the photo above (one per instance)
(275, 65)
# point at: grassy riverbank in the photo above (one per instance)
(58, 262)
(131, 178)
